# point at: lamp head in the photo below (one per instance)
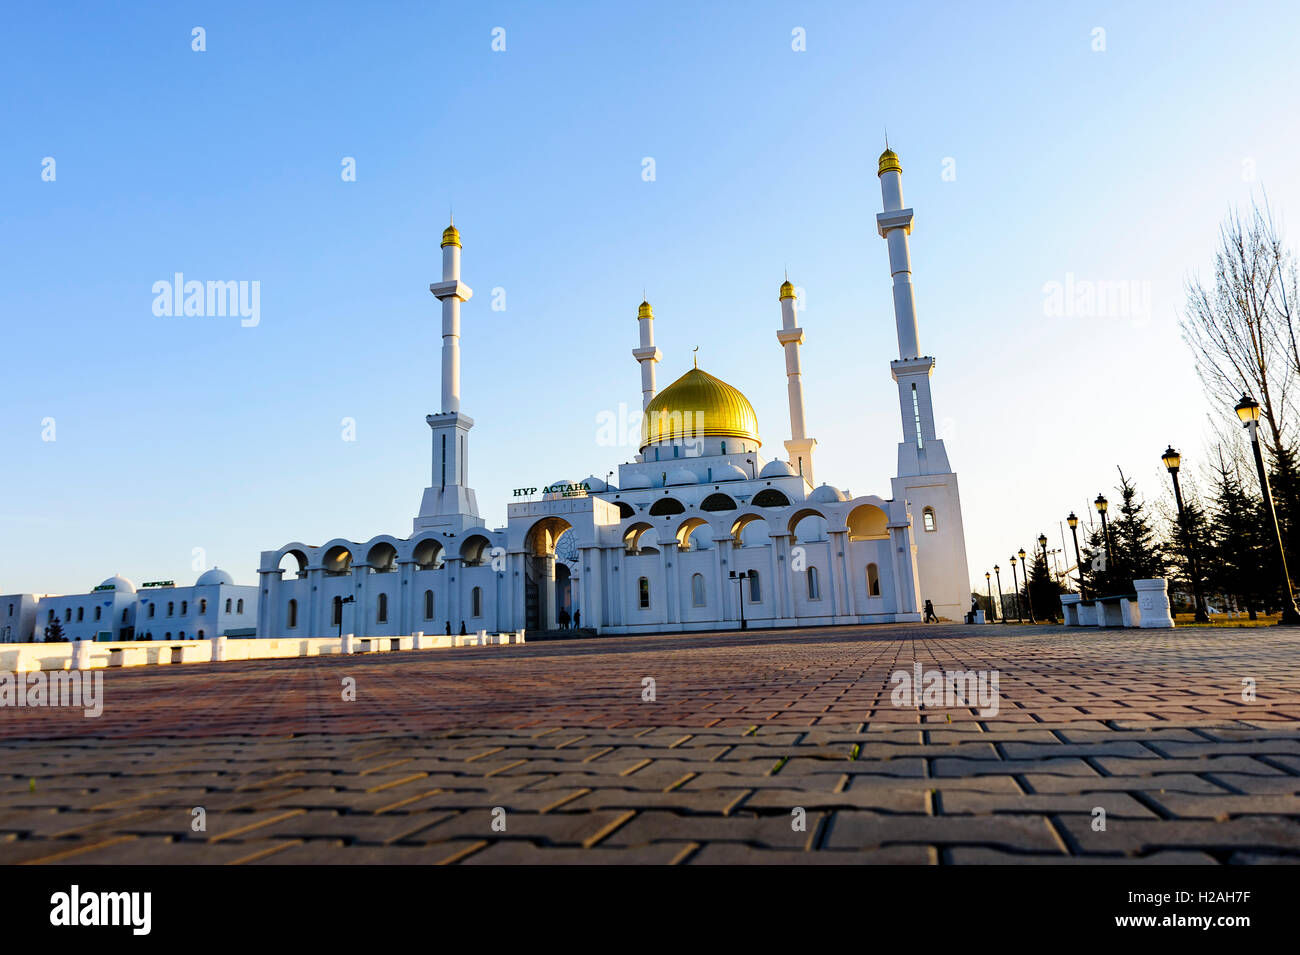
(1101, 504)
(1042, 541)
(1072, 520)
(1247, 409)
(1171, 459)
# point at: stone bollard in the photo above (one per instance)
(1153, 603)
(349, 640)
(218, 649)
(81, 654)
(417, 640)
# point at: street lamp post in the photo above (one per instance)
(1042, 543)
(1020, 616)
(1029, 598)
(988, 582)
(1073, 521)
(998, 570)
(740, 581)
(1102, 505)
(1172, 459)
(1248, 412)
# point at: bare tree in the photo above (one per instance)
(1241, 329)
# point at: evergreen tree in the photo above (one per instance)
(54, 632)
(1135, 551)
(1284, 480)
(1236, 542)
(1190, 536)
(1044, 590)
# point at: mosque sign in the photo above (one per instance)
(564, 490)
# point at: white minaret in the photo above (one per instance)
(647, 355)
(448, 501)
(800, 446)
(925, 480)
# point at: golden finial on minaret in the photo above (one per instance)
(888, 161)
(450, 236)
(787, 288)
(644, 310)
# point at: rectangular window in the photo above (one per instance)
(916, 411)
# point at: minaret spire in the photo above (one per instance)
(647, 355)
(800, 446)
(449, 501)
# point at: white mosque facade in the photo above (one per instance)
(699, 532)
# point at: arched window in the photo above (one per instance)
(227, 605)
(185, 607)
(81, 613)
(181, 635)
(697, 590)
(927, 519)
(336, 613)
(293, 615)
(98, 611)
(51, 616)
(382, 615)
(168, 635)
(643, 593)
(770, 497)
(67, 615)
(239, 607)
(171, 608)
(200, 634)
(873, 580)
(476, 601)
(814, 585)
(755, 587)
(124, 616)
(428, 605)
(203, 606)
(152, 608)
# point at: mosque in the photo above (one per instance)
(701, 531)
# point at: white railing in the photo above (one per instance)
(89, 654)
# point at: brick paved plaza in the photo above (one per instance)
(1151, 726)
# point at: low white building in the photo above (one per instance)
(116, 610)
(699, 532)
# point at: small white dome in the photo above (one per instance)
(215, 576)
(563, 488)
(636, 481)
(729, 472)
(595, 485)
(827, 495)
(776, 468)
(681, 476)
(120, 584)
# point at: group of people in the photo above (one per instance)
(564, 619)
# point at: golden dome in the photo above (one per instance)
(450, 237)
(888, 161)
(698, 405)
(644, 311)
(787, 290)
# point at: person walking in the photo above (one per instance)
(577, 619)
(929, 612)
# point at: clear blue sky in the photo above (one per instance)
(177, 433)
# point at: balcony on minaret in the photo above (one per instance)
(888, 221)
(454, 288)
